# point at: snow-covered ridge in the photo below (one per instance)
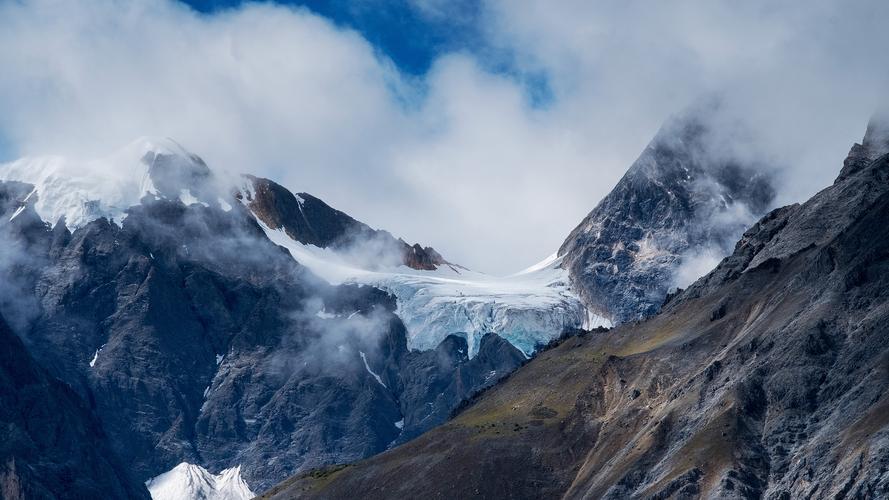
(527, 309)
(84, 190)
(189, 481)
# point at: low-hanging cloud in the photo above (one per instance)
(490, 177)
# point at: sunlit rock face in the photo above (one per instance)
(308, 220)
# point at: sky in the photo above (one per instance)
(487, 129)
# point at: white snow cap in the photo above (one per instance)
(193, 482)
(84, 190)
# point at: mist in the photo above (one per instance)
(494, 167)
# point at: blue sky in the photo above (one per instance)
(409, 36)
(413, 37)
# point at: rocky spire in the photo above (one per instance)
(874, 145)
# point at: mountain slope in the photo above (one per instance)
(52, 446)
(672, 216)
(767, 378)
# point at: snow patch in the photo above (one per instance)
(400, 424)
(193, 482)
(367, 366)
(18, 211)
(325, 315)
(186, 197)
(96, 355)
(594, 320)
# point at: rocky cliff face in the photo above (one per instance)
(767, 378)
(676, 212)
(52, 446)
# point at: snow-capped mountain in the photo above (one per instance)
(672, 217)
(189, 481)
(219, 320)
(766, 378)
(196, 338)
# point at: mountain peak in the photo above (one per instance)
(80, 191)
(673, 215)
(874, 145)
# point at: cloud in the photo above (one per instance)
(488, 175)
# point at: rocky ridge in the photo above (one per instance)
(52, 446)
(310, 221)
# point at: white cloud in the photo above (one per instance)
(460, 158)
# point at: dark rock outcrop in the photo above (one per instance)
(309, 220)
(682, 201)
(782, 393)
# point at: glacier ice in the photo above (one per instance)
(527, 309)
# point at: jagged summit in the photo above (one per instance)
(80, 191)
(672, 216)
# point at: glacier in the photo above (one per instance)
(528, 309)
